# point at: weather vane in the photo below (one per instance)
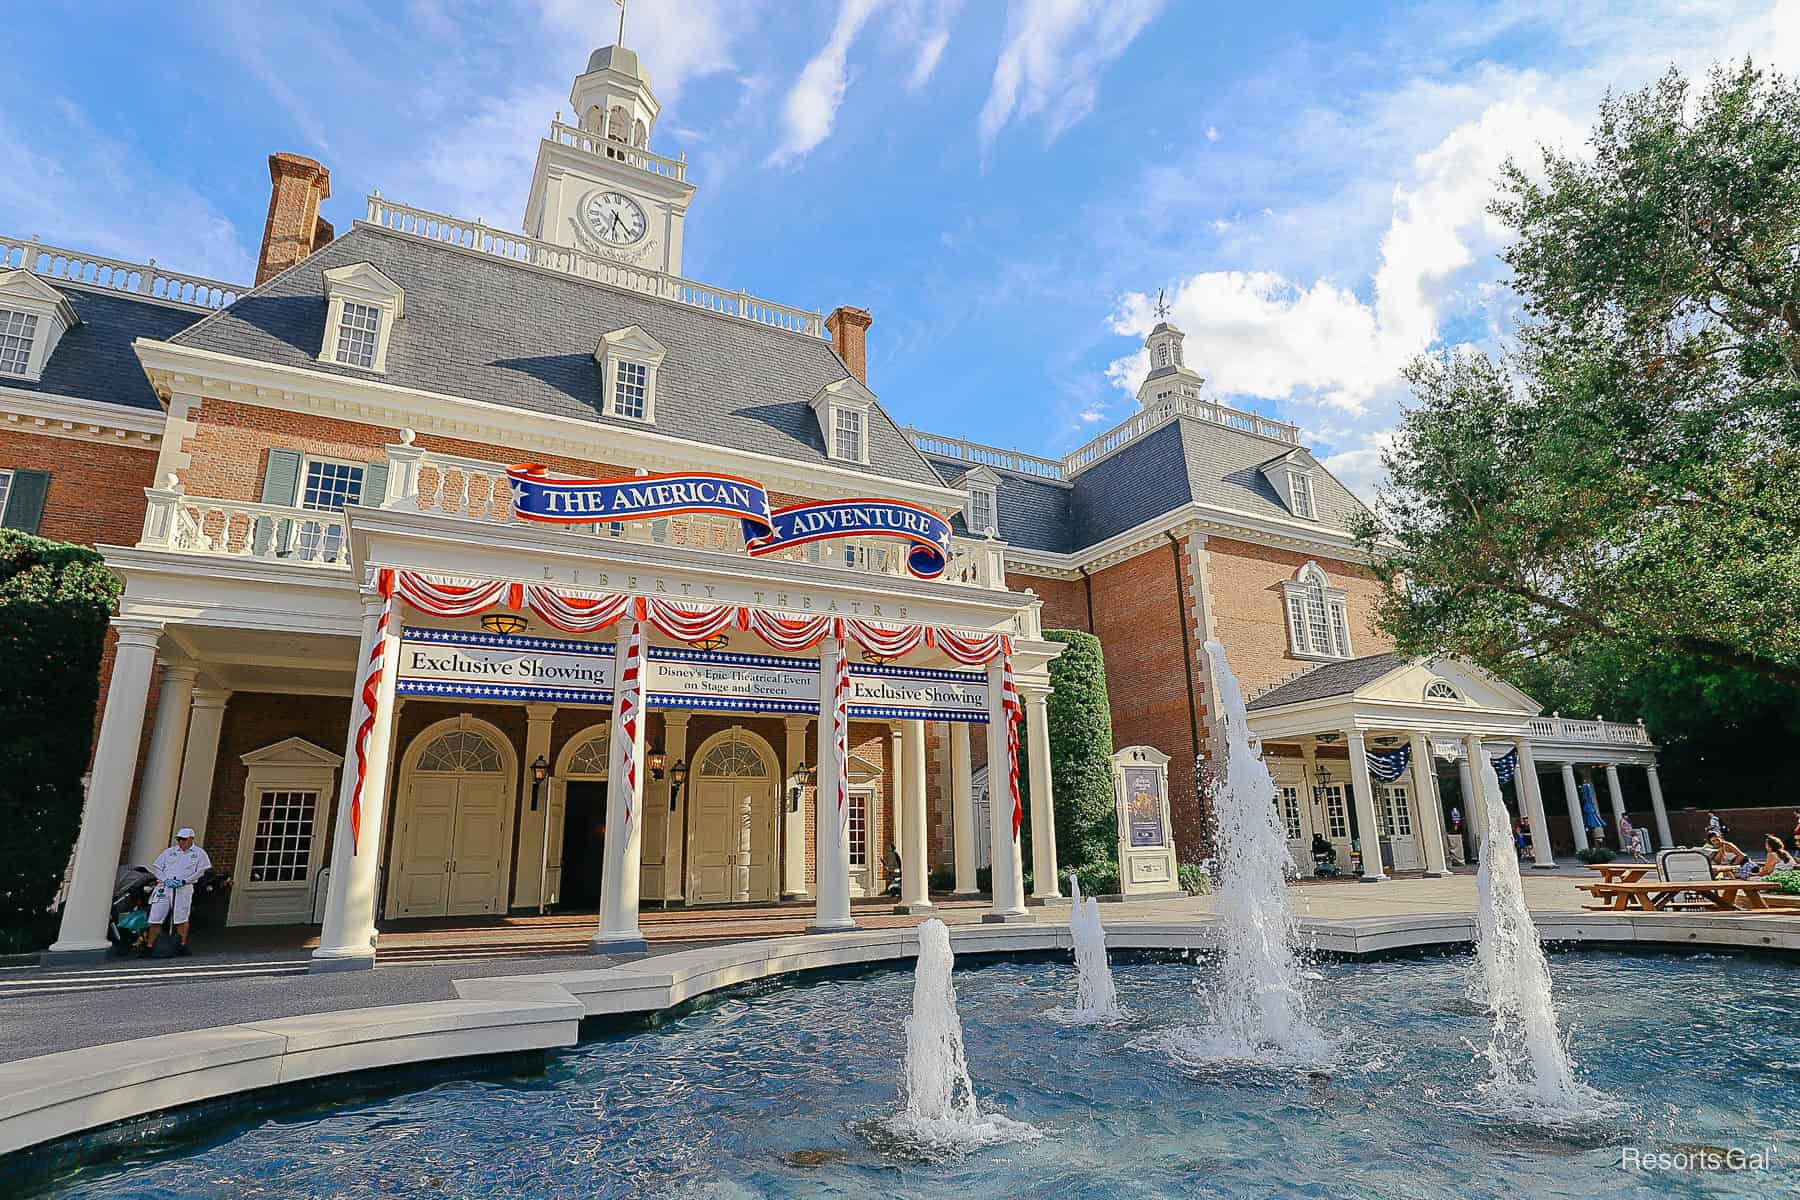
(1162, 305)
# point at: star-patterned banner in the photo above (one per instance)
(537, 495)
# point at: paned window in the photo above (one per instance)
(848, 442)
(1437, 689)
(1337, 818)
(282, 852)
(460, 750)
(859, 829)
(1301, 487)
(1396, 819)
(981, 512)
(357, 330)
(1288, 803)
(1317, 621)
(17, 331)
(5, 489)
(631, 390)
(327, 487)
(732, 760)
(592, 758)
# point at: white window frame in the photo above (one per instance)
(849, 424)
(628, 346)
(1317, 615)
(845, 395)
(983, 496)
(1300, 494)
(24, 294)
(361, 283)
(309, 461)
(6, 478)
(290, 765)
(318, 541)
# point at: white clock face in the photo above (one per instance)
(615, 218)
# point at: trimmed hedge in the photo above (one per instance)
(1081, 749)
(55, 601)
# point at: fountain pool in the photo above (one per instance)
(769, 1092)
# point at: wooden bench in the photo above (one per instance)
(1727, 895)
(1622, 872)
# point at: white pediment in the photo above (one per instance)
(1473, 688)
(291, 752)
(633, 341)
(366, 283)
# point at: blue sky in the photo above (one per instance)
(1005, 185)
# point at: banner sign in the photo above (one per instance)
(714, 682)
(917, 694)
(537, 495)
(799, 524)
(1143, 805)
(496, 666)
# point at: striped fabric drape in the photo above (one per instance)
(1013, 714)
(840, 733)
(629, 696)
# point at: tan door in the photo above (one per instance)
(423, 885)
(862, 853)
(760, 881)
(1290, 814)
(712, 853)
(477, 853)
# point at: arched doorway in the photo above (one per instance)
(731, 820)
(453, 836)
(578, 819)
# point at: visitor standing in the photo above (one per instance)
(1628, 839)
(177, 869)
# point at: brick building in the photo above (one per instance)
(388, 672)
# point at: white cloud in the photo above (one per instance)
(1212, 133)
(676, 42)
(931, 52)
(812, 104)
(921, 28)
(1055, 53)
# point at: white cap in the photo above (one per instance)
(183, 832)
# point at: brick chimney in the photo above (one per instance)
(849, 329)
(294, 228)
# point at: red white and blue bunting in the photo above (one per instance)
(1388, 765)
(628, 701)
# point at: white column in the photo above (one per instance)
(1044, 883)
(1531, 799)
(534, 829)
(162, 768)
(915, 869)
(1008, 875)
(831, 847)
(1618, 799)
(193, 797)
(1474, 781)
(962, 808)
(1664, 839)
(1431, 808)
(793, 818)
(83, 931)
(674, 880)
(347, 939)
(618, 932)
(899, 767)
(1572, 794)
(1368, 824)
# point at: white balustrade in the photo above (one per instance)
(602, 146)
(567, 260)
(239, 529)
(1557, 728)
(114, 274)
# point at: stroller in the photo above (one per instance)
(130, 915)
(1324, 856)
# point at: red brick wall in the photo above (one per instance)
(254, 720)
(1251, 617)
(1065, 600)
(96, 489)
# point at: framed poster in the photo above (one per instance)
(1144, 806)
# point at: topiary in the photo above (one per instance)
(1081, 746)
(1097, 879)
(55, 602)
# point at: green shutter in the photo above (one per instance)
(281, 485)
(25, 500)
(374, 489)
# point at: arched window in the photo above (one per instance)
(640, 136)
(1318, 622)
(1162, 355)
(594, 121)
(732, 759)
(461, 750)
(618, 124)
(592, 757)
(1438, 689)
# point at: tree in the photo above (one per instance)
(55, 601)
(1626, 485)
(1081, 746)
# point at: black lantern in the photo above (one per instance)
(657, 761)
(540, 771)
(677, 777)
(797, 784)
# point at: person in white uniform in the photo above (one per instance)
(177, 869)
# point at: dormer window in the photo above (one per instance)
(629, 360)
(33, 318)
(362, 305)
(1300, 488)
(981, 511)
(847, 434)
(1317, 618)
(843, 409)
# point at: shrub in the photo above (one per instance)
(1595, 854)
(1097, 879)
(55, 601)
(942, 879)
(1196, 879)
(1789, 881)
(1081, 746)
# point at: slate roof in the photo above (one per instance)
(486, 329)
(1329, 679)
(94, 360)
(1033, 513)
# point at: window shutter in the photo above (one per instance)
(281, 481)
(374, 489)
(25, 501)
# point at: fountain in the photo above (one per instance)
(1259, 1005)
(940, 1115)
(1096, 1000)
(1527, 1060)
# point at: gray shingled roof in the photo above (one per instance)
(1329, 679)
(490, 330)
(94, 360)
(1033, 513)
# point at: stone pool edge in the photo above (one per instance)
(75, 1091)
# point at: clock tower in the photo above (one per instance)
(597, 186)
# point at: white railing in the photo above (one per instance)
(567, 260)
(1558, 728)
(238, 529)
(114, 274)
(602, 146)
(425, 481)
(1152, 417)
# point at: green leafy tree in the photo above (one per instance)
(55, 601)
(1626, 486)
(1081, 747)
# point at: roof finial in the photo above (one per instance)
(1162, 305)
(621, 22)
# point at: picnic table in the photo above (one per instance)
(1726, 895)
(1616, 872)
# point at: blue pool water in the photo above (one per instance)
(770, 1092)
